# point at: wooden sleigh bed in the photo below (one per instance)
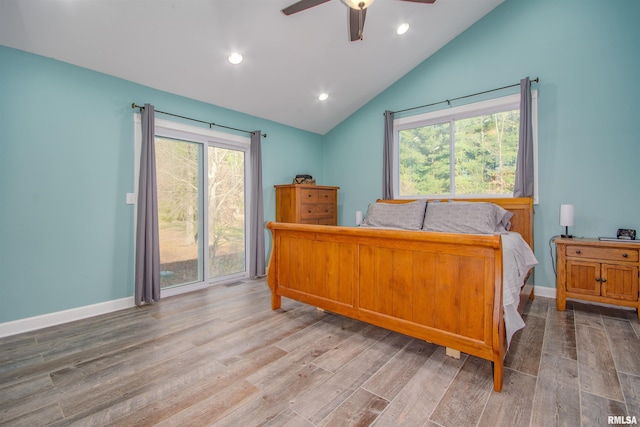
(440, 287)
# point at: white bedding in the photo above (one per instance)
(517, 259)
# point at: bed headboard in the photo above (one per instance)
(521, 207)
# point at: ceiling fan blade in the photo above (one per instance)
(356, 23)
(421, 1)
(302, 5)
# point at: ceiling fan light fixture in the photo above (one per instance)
(402, 28)
(358, 4)
(235, 58)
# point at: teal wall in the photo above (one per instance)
(586, 55)
(66, 164)
(66, 145)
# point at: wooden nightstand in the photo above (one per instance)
(599, 271)
(307, 204)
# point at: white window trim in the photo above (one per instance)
(504, 103)
(206, 137)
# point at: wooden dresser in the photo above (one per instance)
(599, 271)
(307, 204)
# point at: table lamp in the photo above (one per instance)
(566, 219)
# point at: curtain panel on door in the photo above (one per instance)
(147, 265)
(257, 265)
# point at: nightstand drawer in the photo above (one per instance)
(602, 253)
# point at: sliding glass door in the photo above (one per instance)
(195, 172)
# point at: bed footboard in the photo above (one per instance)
(438, 287)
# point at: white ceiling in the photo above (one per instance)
(181, 46)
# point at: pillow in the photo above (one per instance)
(409, 216)
(467, 217)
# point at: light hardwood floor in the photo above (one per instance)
(222, 357)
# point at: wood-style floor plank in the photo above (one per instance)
(359, 409)
(393, 376)
(464, 401)
(595, 410)
(631, 391)
(222, 357)
(526, 346)
(557, 395)
(560, 334)
(513, 406)
(624, 345)
(598, 373)
(419, 397)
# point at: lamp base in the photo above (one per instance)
(566, 234)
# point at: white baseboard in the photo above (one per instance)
(544, 291)
(59, 317)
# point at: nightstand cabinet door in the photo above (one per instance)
(620, 281)
(583, 277)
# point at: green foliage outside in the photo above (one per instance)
(485, 153)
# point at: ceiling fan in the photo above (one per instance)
(357, 12)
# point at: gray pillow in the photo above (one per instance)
(467, 217)
(409, 216)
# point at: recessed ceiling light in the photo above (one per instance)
(323, 96)
(235, 58)
(403, 28)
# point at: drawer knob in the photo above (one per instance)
(578, 251)
(625, 255)
(604, 280)
(598, 279)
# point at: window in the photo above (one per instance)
(468, 151)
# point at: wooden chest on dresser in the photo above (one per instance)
(307, 204)
(599, 271)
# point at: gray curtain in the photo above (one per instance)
(387, 158)
(256, 220)
(524, 164)
(147, 284)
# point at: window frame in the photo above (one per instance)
(490, 106)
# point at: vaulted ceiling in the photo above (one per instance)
(181, 46)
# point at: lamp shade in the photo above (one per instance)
(566, 215)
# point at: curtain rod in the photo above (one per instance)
(448, 101)
(196, 120)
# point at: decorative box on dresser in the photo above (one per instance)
(599, 271)
(307, 204)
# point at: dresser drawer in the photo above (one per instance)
(611, 254)
(309, 211)
(326, 211)
(326, 196)
(308, 195)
